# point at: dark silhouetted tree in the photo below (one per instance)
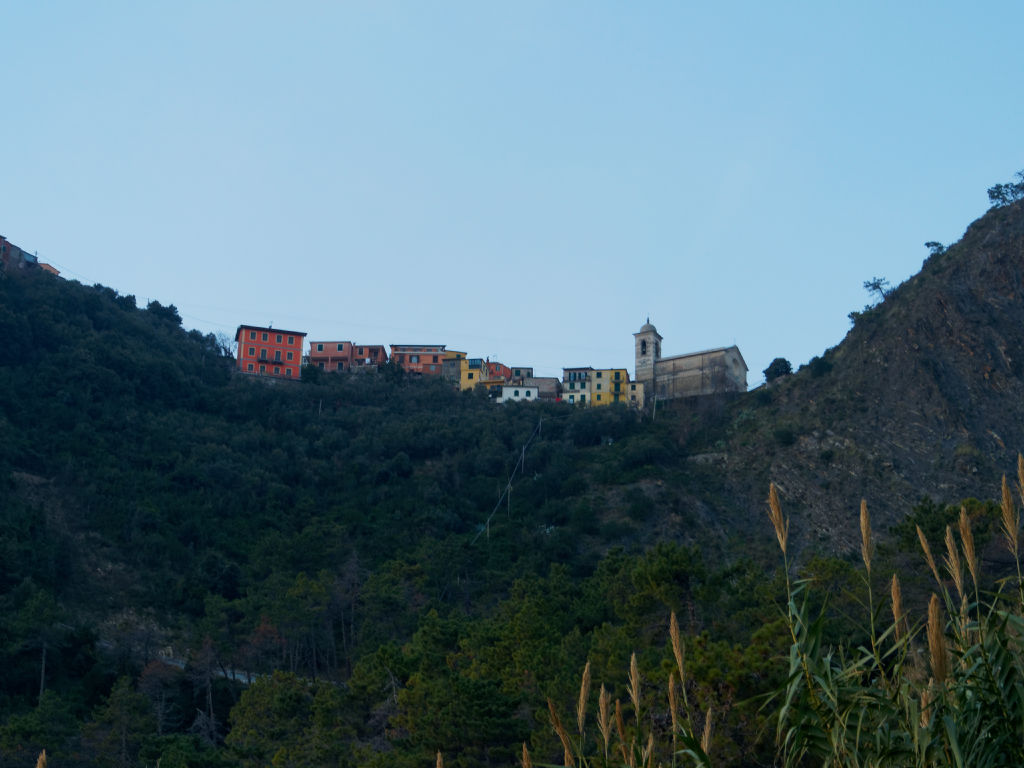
(878, 285)
(169, 313)
(778, 367)
(1004, 194)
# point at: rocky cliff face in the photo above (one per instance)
(925, 396)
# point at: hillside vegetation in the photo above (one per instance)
(169, 525)
(205, 568)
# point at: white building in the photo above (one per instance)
(518, 393)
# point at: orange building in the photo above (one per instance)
(368, 355)
(419, 358)
(344, 355)
(269, 351)
(331, 355)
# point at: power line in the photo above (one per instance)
(505, 495)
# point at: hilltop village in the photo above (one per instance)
(278, 353)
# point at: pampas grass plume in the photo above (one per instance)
(937, 641)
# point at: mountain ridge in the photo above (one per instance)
(921, 398)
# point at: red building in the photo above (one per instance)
(498, 371)
(269, 351)
(419, 358)
(13, 258)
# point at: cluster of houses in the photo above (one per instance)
(15, 259)
(268, 351)
(280, 354)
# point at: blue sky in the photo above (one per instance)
(527, 181)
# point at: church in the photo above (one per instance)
(710, 372)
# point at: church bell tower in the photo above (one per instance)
(647, 350)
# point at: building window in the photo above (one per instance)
(527, 393)
(632, 387)
(469, 375)
(616, 375)
(287, 371)
(599, 387)
(252, 351)
(617, 385)
(435, 358)
(263, 369)
(289, 355)
(360, 351)
(339, 367)
(250, 367)
(263, 354)
(341, 347)
(583, 398)
(572, 398)
(291, 340)
(252, 335)
(277, 369)
(279, 338)
(319, 347)
(265, 337)
(321, 365)
(277, 356)
(599, 398)
(414, 358)
(516, 393)
(643, 347)
(599, 374)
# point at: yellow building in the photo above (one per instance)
(471, 372)
(601, 386)
(609, 385)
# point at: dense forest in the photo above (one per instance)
(202, 568)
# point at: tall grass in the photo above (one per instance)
(631, 741)
(944, 689)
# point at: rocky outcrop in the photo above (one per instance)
(925, 396)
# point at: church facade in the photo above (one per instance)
(710, 372)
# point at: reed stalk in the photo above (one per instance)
(604, 718)
(634, 687)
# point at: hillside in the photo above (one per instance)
(167, 525)
(922, 398)
(159, 509)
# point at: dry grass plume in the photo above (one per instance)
(775, 513)
(865, 535)
(937, 641)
